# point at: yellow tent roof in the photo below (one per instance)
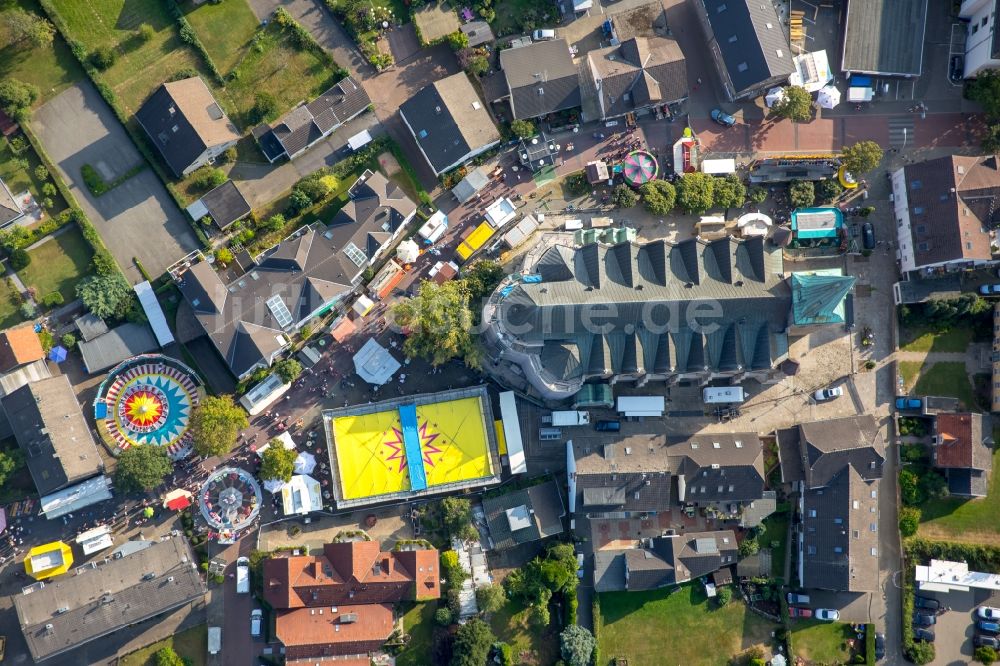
(48, 560)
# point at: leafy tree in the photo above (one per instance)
(576, 644)
(991, 138)
(167, 656)
(696, 192)
(298, 201)
(456, 514)
(107, 296)
(142, 468)
(796, 105)
(658, 196)
(522, 128)
(504, 654)
(624, 196)
(442, 616)
(224, 256)
(19, 259)
(472, 643)
(316, 187)
(275, 223)
(749, 546)
(288, 370)
(909, 520)
(985, 655)
(920, 653)
(207, 177)
(9, 461)
(41, 173)
(481, 279)
(103, 57)
(215, 424)
(458, 40)
(985, 89)
(451, 570)
(477, 65)
(265, 107)
(145, 32)
(440, 323)
(16, 98)
(729, 192)
(490, 598)
(277, 462)
(862, 157)
(723, 596)
(802, 193)
(53, 299)
(909, 488)
(26, 28)
(828, 190)
(757, 194)
(68, 340)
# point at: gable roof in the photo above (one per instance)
(750, 37)
(719, 467)
(960, 442)
(182, 119)
(663, 561)
(10, 210)
(377, 202)
(449, 121)
(356, 623)
(637, 73)
(541, 78)
(525, 515)
(19, 345)
(827, 447)
(884, 37)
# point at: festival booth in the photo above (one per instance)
(686, 153)
(95, 540)
(301, 495)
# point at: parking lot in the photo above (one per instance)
(955, 629)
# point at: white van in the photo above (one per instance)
(214, 640)
(256, 617)
(543, 35)
(242, 575)
(713, 395)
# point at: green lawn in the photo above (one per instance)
(776, 530)
(909, 371)
(224, 28)
(192, 643)
(946, 379)
(275, 66)
(919, 340)
(522, 15)
(18, 180)
(645, 627)
(141, 67)
(10, 305)
(821, 642)
(51, 69)
(58, 264)
(972, 521)
(418, 622)
(511, 625)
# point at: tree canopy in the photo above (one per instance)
(167, 656)
(472, 643)
(288, 370)
(696, 192)
(481, 278)
(796, 105)
(215, 423)
(624, 196)
(440, 323)
(107, 296)
(16, 98)
(277, 462)
(802, 193)
(490, 598)
(658, 196)
(20, 27)
(576, 644)
(729, 192)
(9, 461)
(862, 157)
(142, 468)
(522, 128)
(456, 515)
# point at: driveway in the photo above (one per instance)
(137, 219)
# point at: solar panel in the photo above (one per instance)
(279, 310)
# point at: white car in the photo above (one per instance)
(256, 616)
(823, 395)
(988, 613)
(827, 614)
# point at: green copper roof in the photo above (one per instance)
(818, 298)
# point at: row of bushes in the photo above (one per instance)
(360, 21)
(98, 186)
(190, 37)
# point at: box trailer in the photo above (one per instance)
(569, 418)
(714, 395)
(641, 405)
(242, 575)
(214, 640)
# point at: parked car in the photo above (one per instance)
(794, 598)
(543, 35)
(982, 640)
(879, 647)
(920, 634)
(256, 617)
(827, 394)
(795, 611)
(988, 613)
(579, 565)
(827, 614)
(902, 402)
(988, 627)
(924, 619)
(989, 289)
(868, 236)
(956, 69)
(723, 118)
(610, 425)
(926, 602)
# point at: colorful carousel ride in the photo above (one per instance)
(639, 167)
(147, 400)
(229, 502)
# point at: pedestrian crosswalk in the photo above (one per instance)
(901, 132)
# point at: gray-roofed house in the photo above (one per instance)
(225, 205)
(71, 611)
(541, 78)
(10, 209)
(120, 343)
(884, 37)
(836, 465)
(449, 123)
(307, 124)
(525, 515)
(50, 428)
(90, 326)
(963, 453)
(637, 74)
(631, 474)
(748, 44)
(664, 561)
(186, 124)
(478, 32)
(250, 320)
(629, 311)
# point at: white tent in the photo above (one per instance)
(773, 96)
(374, 363)
(301, 495)
(408, 251)
(812, 71)
(828, 97)
(273, 486)
(754, 224)
(284, 438)
(305, 463)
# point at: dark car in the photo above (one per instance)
(795, 611)
(920, 634)
(608, 426)
(956, 70)
(868, 236)
(924, 602)
(902, 402)
(989, 289)
(723, 118)
(879, 647)
(988, 627)
(924, 619)
(981, 640)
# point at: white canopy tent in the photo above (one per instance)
(812, 71)
(284, 438)
(828, 97)
(773, 96)
(301, 495)
(305, 463)
(273, 486)
(374, 363)
(408, 251)
(754, 224)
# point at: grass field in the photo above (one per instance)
(51, 69)
(192, 643)
(418, 622)
(511, 625)
(18, 180)
(946, 379)
(776, 530)
(970, 521)
(821, 642)
(919, 340)
(224, 28)
(58, 264)
(10, 305)
(141, 67)
(696, 632)
(516, 15)
(275, 66)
